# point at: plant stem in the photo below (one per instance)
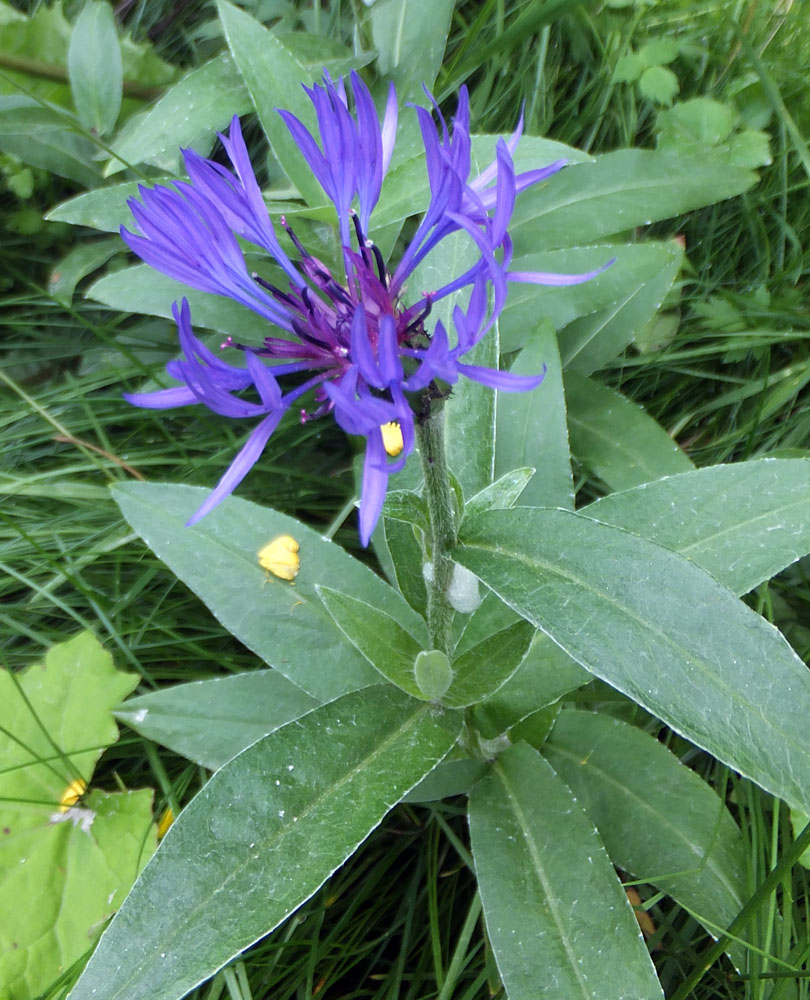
(441, 511)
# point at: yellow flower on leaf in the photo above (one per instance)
(280, 557)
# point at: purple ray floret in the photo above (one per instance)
(363, 340)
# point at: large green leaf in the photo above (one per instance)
(531, 428)
(273, 74)
(618, 192)
(283, 623)
(658, 628)
(95, 68)
(188, 114)
(63, 871)
(141, 289)
(635, 265)
(103, 208)
(590, 342)
(266, 831)
(615, 438)
(212, 721)
(658, 819)
(410, 36)
(45, 137)
(557, 918)
(742, 523)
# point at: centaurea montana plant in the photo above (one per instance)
(363, 339)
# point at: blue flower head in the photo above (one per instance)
(364, 343)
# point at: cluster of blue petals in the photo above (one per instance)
(362, 343)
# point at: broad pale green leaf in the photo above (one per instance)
(531, 426)
(742, 523)
(377, 636)
(103, 208)
(485, 667)
(410, 36)
(555, 911)
(658, 628)
(657, 819)
(72, 693)
(94, 67)
(266, 831)
(188, 114)
(589, 343)
(546, 674)
(615, 438)
(635, 265)
(273, 75)
(141, 289)
(284, 623)
(66, 880)
(42, 136)
(504, 492)
(66, 871)
(618, 192)
(212, 721)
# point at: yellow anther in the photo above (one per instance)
(72, 794)
(165, 821)
(392, 438)
(280, 557)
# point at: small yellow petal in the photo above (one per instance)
(392, 438)
(72, 794)
(165, 821)
(280, 557)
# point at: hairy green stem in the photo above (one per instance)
(442, 514)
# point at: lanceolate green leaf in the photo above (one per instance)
(188, 114)
(273, 75)
(284, 623)
(590, 342)
(266, 831)
(410, 36)
(557, 918)
(635, 265)
(381, 640)
(615, 438)
(618, 192)
(531, 426)
(484, 667)
(661, 630)
(212, 721)
(94, 67)
(141, 289)
(742, 523)
(658, 819)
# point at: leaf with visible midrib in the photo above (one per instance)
(266, 831)
(658, 628)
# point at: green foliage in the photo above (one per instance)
(724, 371)
(67, 868)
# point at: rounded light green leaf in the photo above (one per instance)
(94, 67)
